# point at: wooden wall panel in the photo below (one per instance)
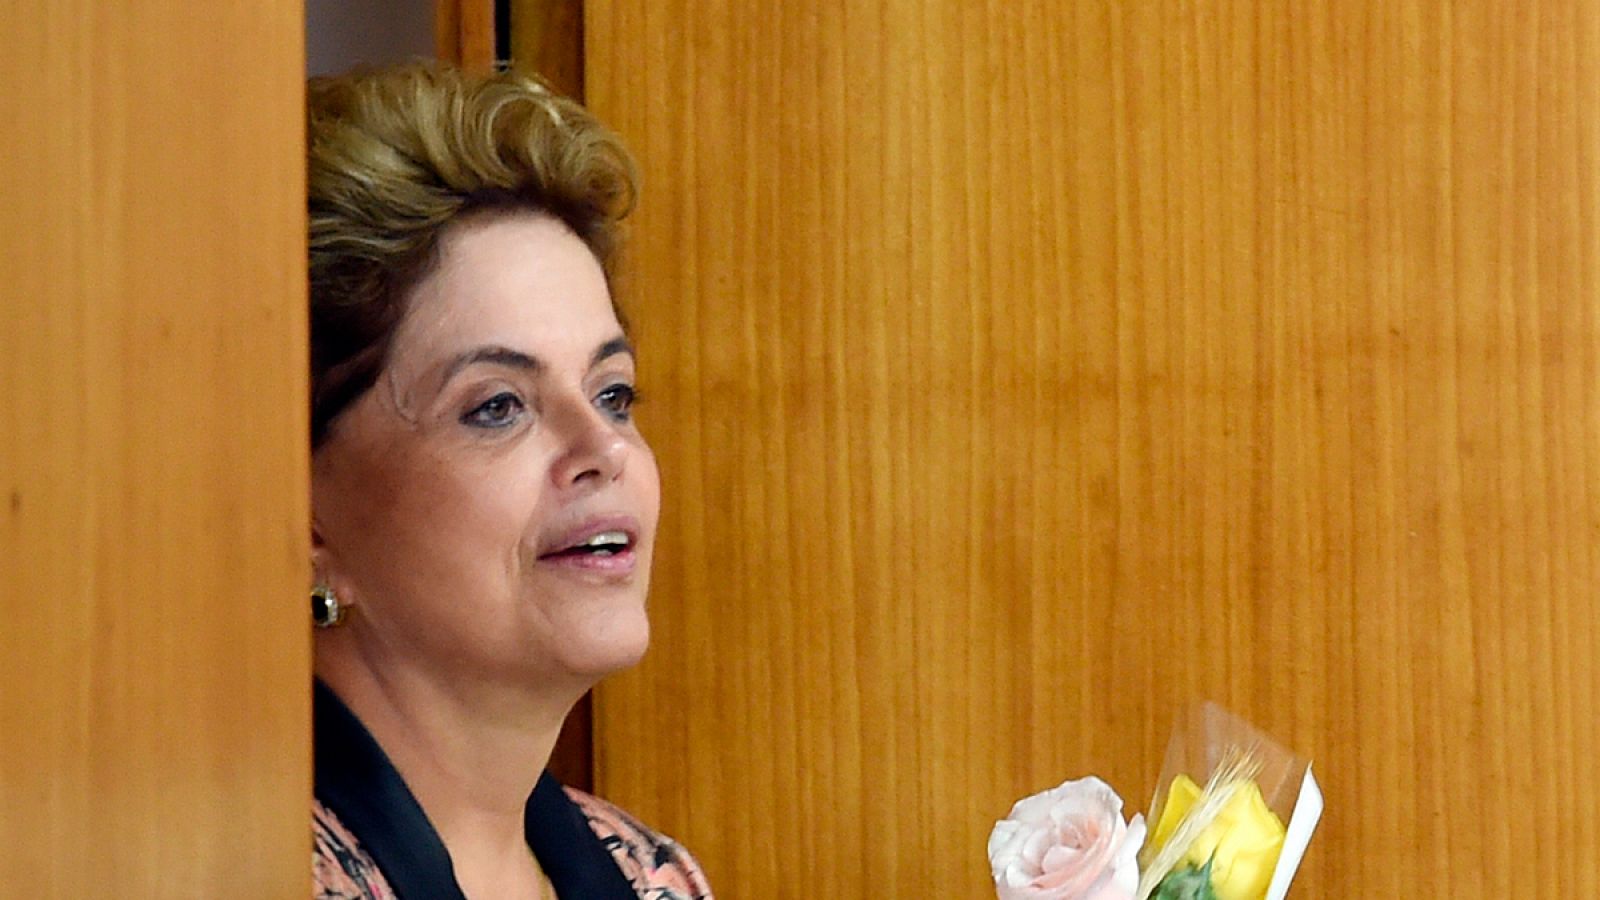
(155, 650)
(464, 34)
(1021, 372)
(547, 38)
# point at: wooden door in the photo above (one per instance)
(155, 647)
(1021, 372)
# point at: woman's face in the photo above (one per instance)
(489, 506)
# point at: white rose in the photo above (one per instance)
(1067, 844)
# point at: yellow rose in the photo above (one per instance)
(1246, 837)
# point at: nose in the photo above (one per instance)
(593, 451)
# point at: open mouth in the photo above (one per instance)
(599, 546)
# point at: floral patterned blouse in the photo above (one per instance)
(373, 841)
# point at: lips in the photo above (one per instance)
(601, 545)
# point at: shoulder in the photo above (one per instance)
(340, 869)
(657, 866)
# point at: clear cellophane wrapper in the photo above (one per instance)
(1204, 735)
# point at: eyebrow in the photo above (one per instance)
(611, 348)
(516, 359)
(501, 356)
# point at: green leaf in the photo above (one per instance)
(1188, 883)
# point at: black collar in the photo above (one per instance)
(356, 781)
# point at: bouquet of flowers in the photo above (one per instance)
(1233, 813)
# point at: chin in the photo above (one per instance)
(616, 642)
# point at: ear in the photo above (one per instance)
(319, 551)
(324, 567)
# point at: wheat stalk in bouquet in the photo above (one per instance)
(1237, 769)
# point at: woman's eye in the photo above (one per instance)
(496, 412)
(616, 401)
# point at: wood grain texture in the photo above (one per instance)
(463, 33)
(547, 38)
(1021, 372)
(154, 657)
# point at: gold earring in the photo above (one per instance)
(326, 610)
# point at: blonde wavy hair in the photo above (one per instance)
(397, 156)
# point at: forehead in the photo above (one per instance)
(523, 281)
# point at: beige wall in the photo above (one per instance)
(1023, 371)
(154, 651)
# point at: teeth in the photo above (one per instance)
(605, 538)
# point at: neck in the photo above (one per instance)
(470, 752)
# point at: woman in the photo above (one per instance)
(483, 507)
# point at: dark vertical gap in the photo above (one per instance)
(502, 31)
(572, 760)
(577, 49)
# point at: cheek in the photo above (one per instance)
(481, 513)
(354, 496)
(649, 483)
(419, 511)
